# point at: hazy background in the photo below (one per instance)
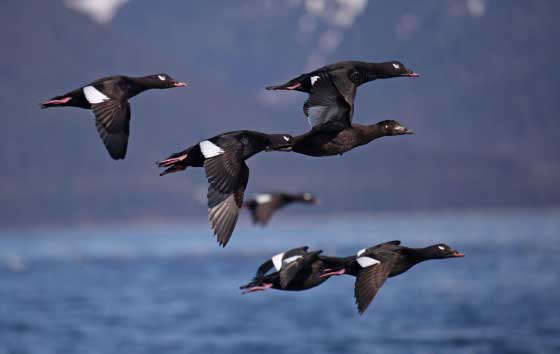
(485, 110)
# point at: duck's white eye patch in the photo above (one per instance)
(441, 247)
(287, 138)
(396, 66)
(314, 79)
(161, 77)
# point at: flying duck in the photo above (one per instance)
(372, 266)
(347, 76)
(108, 99)
(264, 205)
(293, 270)
(319, 143)
(223, 158)
(330, 117)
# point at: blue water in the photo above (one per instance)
(171, 289)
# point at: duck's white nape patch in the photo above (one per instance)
(396, 66)
(93, 95)
(291, 259)
(314, 80)
(365, 262)
(277, 261)
(209, 149)
(360, 252)
(263, 198)
(287, 138)
(441, 248)
(161, 77)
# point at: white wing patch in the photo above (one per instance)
(277, 261)
(360, 252)
(314, 80)
(365, 262)
(263, 198)
(209, 149)
(161, 77)
(396, 66)
(93, 95)
(291, 259)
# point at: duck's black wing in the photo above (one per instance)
(370, 279)
(293, 267)
(264, 268)
(263, 212)
(279, 259)
(112, 120)
(227, 177)
(326, 109)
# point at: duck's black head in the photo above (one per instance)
(279, 142)
(441, 251)
(309, 198)
(392, 127)
(393, 69)
(162, 81)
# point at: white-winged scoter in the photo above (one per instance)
(372, 266)
(294, 270)
(332, 131)
(223, 157)
(108, 99)
(347, 76)
(265, 204)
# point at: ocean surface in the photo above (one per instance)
(171, 289)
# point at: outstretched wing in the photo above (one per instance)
(278, 260)
(264, 268)
(370, 278)
(227, 179)
(263, 213)
(292, 268)
(112, 120)
(326, 109)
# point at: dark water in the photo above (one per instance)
(173, 290)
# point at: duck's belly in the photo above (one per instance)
(328, 145)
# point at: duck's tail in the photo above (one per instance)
(56, 102)
(294, 84)
(259, 283)
(174, 163)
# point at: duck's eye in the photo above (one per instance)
(161, 77)
(441, 248)
(396, 66)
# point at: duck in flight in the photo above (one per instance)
(108, 99)
(264, 205)
(294, 270)
(330, 117)
(347, 76)
(223, 158)
(372, 266)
